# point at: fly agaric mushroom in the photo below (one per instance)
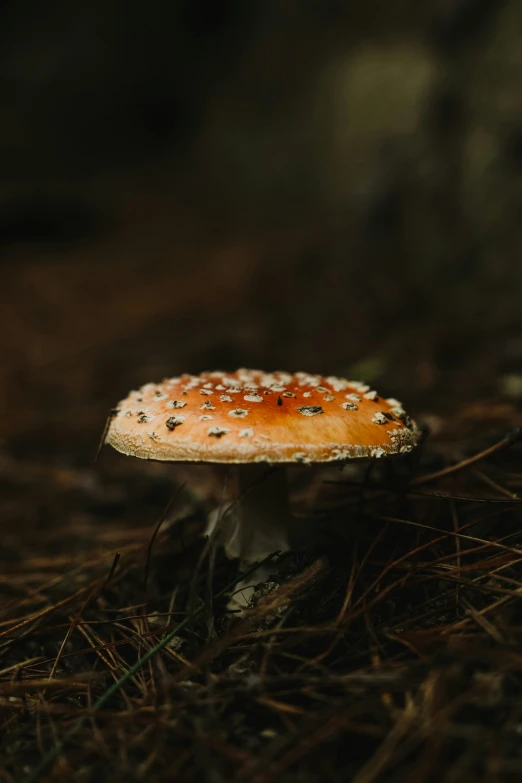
(251, 419)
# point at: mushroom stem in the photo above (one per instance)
(256, 523)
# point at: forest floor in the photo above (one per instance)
(390, 652)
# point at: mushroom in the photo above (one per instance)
(255, 421)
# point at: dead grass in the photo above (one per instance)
(390, 653)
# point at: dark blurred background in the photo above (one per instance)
(291, 184)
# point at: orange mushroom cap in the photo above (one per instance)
(253, 416)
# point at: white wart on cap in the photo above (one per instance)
(252, 416)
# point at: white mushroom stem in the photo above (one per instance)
(258, 521)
